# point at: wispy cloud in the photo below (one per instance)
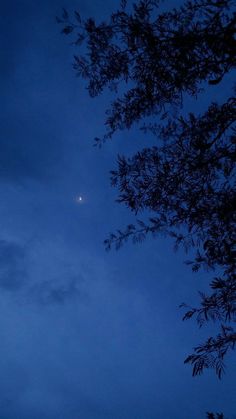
(13, 271)
(56, 291)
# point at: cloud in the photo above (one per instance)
(25, 272)
(56, 291)
(13, 272)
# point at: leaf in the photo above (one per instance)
(65, 14)
(77, 15)
(123, 4)
(58, 20)
(67, 29)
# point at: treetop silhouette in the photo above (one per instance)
(152, 60)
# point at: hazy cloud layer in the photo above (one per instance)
(13, 271)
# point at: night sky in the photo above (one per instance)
(84, 334)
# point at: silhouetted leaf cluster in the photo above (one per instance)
(162, 56)
(211, 415)
(212, 352)
(151, 61)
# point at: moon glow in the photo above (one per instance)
(79, 199)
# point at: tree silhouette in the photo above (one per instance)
(154, 60)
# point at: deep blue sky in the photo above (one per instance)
(84, 334)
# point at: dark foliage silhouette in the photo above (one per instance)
(211, 415)
(154, 60)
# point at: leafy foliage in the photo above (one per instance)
(211, 415)
(154, 59)
(212, 352)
